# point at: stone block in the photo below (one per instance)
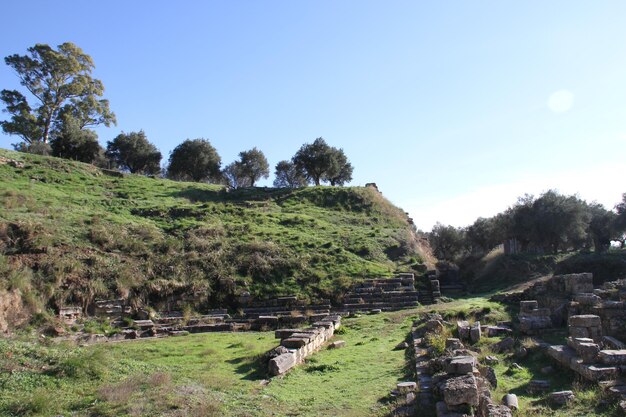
(505, 345)
(453, 344)
(613, 343)
(284, 333)
(585, 348)
(493, 331)
(539, 312)
(562, 354)
(561, 397)
(463, 328)
(537, 386)
(510, 400)
(613, 357)
(529, 324)
(294, 342)
(587, 299)
(489, 374)
(528, 306)
(579, 332)
(578, 283)
(434, 326)
(585, 320)
(282, 363)
(337, 344)
(406, 387)
(475, 332)
(461, 390)
(460, 365)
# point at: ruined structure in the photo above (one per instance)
(384, 294)
(455, 383)
(297, 344)
(596, 323)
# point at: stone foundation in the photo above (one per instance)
(300, 343)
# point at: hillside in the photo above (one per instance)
(498, 272)
(71, 232)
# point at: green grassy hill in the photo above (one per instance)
(71, 232)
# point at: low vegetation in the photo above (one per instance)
(214, 374)
(71, 233)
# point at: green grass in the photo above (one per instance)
(214, 374)
(87, 234)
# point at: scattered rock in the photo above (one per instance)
(453, 344)
(538, 386)
(515, 366)
(510, 400)
(376, 311)
(521, 352)
(410, 398)
(282, 363)
(460, 390)
(435, 326)
(402, 346)
(406, 387)
(475, 332)
(561, 397)
(491, 360)
(490, 375)
(337, 344)
(505, 345)
(461, 365)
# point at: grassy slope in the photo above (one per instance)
(216, 374)
(86, 232)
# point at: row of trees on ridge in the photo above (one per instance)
(551, 223)
(66, 103)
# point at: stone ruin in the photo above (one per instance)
(297, 344)
(69, 315)
(455, 384)
(550, 304)
(596, 323)
(382, 294)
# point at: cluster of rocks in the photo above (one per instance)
(463, 384)
(382, 294)
(455, 383)
(593, 356)
(595, 319)
(432, 289)
(297, 344)
(284, 308)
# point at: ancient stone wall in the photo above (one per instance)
(297, 344)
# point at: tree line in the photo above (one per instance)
(550, 223)
(66, 102)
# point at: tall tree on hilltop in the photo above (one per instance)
(132, 152)
(253, 165)
(288, 175)
(196, 160)
(340, 170)
(601, 227)
(234, 176)
(62, 89)
(321, 162)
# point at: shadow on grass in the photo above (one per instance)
(250, 368)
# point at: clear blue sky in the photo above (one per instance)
(453, 108)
